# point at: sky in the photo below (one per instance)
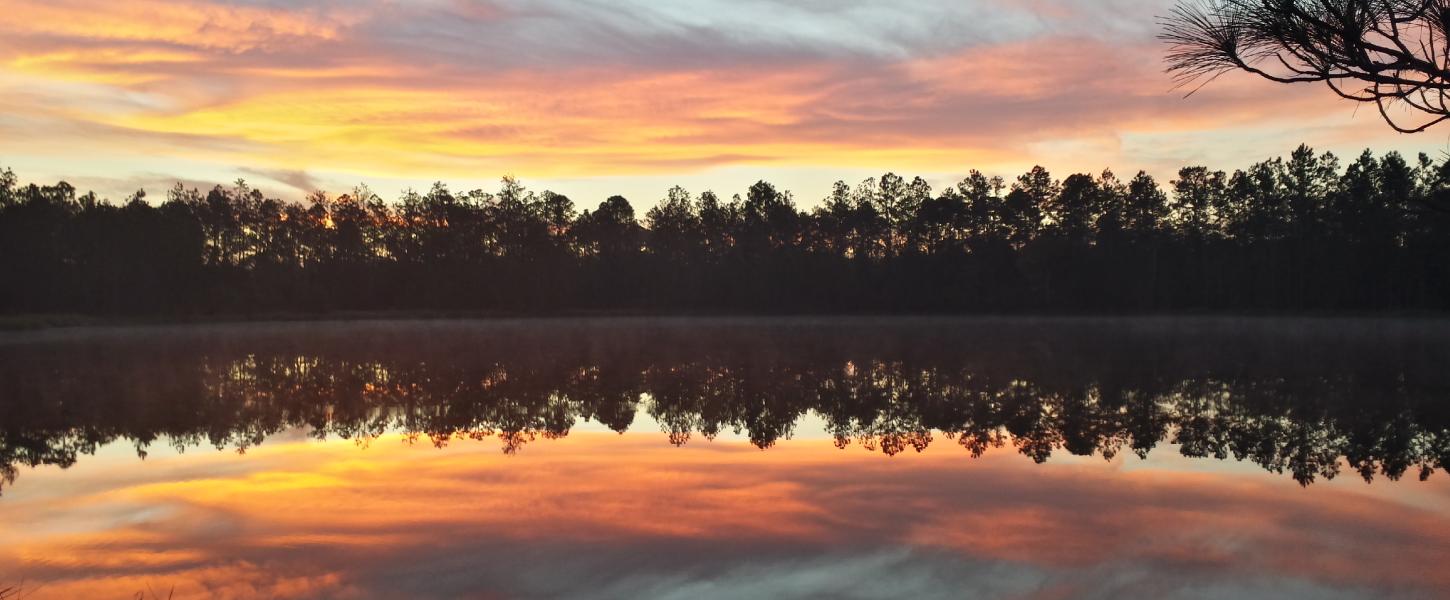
(597, 97)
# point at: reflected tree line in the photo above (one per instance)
(1306, 232)
(1285, 408)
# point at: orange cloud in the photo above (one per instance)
(935, 114)
(207, 25)
(449, 90)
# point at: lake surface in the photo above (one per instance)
(732, 458)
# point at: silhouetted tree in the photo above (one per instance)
(1286, 403)
(1385, 52)
(1283, 234)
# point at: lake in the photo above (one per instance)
(734, 458)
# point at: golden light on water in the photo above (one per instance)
(310, 518)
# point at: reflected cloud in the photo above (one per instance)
(362, 459)
(599, 515)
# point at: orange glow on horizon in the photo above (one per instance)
(314, 90)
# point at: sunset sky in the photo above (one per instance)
(596, 97)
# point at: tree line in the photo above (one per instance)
(1302, 233)
(1289, 406)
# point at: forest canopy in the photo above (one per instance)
(1304, 232)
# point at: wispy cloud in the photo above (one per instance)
(297, 180)
(553, 89)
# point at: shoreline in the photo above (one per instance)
(39, 322)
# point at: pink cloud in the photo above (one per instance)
(462, 88)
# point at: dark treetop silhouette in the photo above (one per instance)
(1296, 396)
(1386, 52)
(1285, 234)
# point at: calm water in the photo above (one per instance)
(925, 458)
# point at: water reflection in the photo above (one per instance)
(303, 512)
(1307, 398)
(598, 515)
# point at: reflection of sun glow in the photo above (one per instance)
(315, 517)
